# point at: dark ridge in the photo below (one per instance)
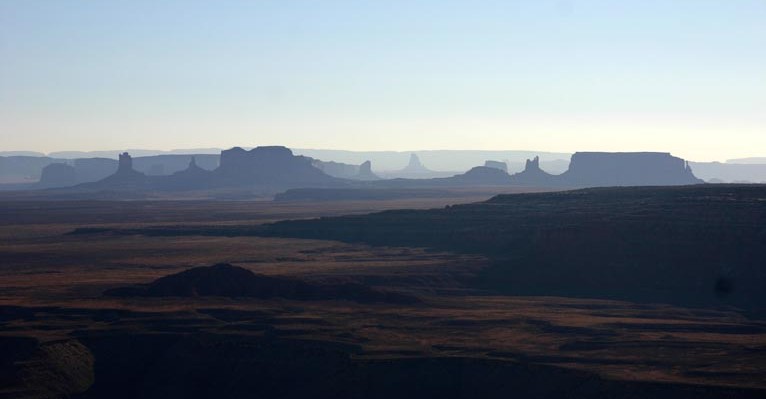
(691, 245)
(226, 280)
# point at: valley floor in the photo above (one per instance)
(60, 336)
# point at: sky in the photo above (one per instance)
(680, 76)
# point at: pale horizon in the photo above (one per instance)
(683, 77)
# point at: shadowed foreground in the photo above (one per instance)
(60, 336)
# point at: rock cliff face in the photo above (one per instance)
(270, 166)
(346, 171)
(590, 169)
(365, 172)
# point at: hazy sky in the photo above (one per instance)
(619, 75)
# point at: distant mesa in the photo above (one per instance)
(591, 169)
(58, 175)
(273, 166)
(346, 171)
(225, 280)
(497, 165)
(365, 172)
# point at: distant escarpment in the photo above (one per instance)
(226, 280)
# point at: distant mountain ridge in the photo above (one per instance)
(587, 169)
(273, 169)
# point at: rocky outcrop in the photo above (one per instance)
(274, 167)
(346, 171)
(125, 164)
(58, 175)
(336, 169)
(533, 176)
(365, 172)
(497, 165)
(126, 178)
(591, 169)
(415, 166)
(226, 280)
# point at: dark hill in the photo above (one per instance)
(693, 245)
(226, 280)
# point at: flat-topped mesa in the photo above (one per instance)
(273, 166)
(58, 175)
(497, 165)
(238, 159)
(628, 169)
